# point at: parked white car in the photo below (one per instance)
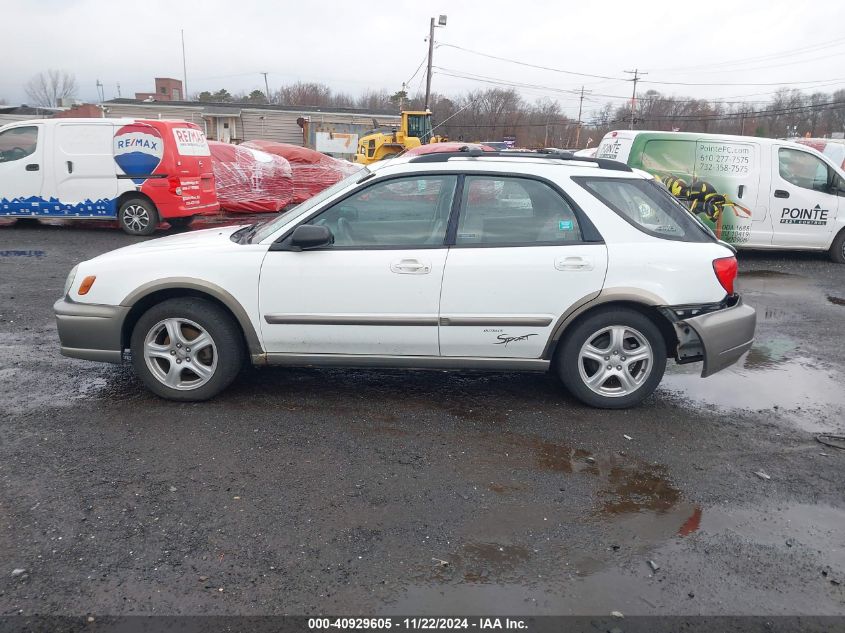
(463, 260)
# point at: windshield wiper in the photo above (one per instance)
(245, 235)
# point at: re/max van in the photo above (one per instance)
(137, 171)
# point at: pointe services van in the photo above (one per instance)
(752, 192)
(139, 172)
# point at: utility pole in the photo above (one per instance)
(118, 90)
(430, 58)
(184, 70)
(441, 21)
(637, 74)
(580, 107)
(402, 98)
(266, 87)
(101, 91)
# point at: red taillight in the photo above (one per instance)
(174, 185)
(726, 269)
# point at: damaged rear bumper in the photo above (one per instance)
(718, 337)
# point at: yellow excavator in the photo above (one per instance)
(413, 131)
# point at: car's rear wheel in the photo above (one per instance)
(837, 249)
(612, 359)
(186, 349)
(138, 216)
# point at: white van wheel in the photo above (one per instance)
(837, 249)
(138, 216)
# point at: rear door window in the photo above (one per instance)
(499, 210)
(647, 206)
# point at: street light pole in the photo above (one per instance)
(430, 58)
(441, 21)
(184, 70)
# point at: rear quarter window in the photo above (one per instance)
(647, 206)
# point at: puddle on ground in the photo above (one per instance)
(801, 389)
(499, 579)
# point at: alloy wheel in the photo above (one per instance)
(136, 218)
(180, 354)
(615, 361)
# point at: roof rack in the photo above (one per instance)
(442, 157)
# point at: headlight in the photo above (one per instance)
(70, 278)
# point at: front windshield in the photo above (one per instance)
(270, 227)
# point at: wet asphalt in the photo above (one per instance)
(305, 491)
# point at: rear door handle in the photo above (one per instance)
(70, 166)
(410, 267)
(575, 262)
(780, 193)
(32, 167)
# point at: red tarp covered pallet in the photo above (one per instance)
(250, 181)
(312, 171)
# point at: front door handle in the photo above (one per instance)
(70, 166)
(780, 193)
(32, 167)
(575, 262)
(410, 267)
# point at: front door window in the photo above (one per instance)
(400, 213)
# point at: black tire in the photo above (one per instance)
(569, 361)
(138, 216)
(227, 349)
(837, 249)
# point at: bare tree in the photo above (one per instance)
(305, 94)
(48, 89)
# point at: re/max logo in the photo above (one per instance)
(137, 142)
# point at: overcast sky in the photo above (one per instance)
(353, 46)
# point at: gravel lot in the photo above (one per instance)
(374, 492)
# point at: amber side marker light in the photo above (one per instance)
(86, 284)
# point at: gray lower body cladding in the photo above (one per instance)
(90, 332)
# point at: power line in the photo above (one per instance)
(652, 81)
(788, 53)
(514, 61)
(748, 114)
(411, 78)
(550, 89)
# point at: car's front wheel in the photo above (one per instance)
(186, 349)
(612, 359)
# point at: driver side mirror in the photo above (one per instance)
(307, 236)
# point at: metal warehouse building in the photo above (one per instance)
(330, 130)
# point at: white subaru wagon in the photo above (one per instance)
(452, 260)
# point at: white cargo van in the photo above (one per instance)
(753, 192)
(137, 171)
